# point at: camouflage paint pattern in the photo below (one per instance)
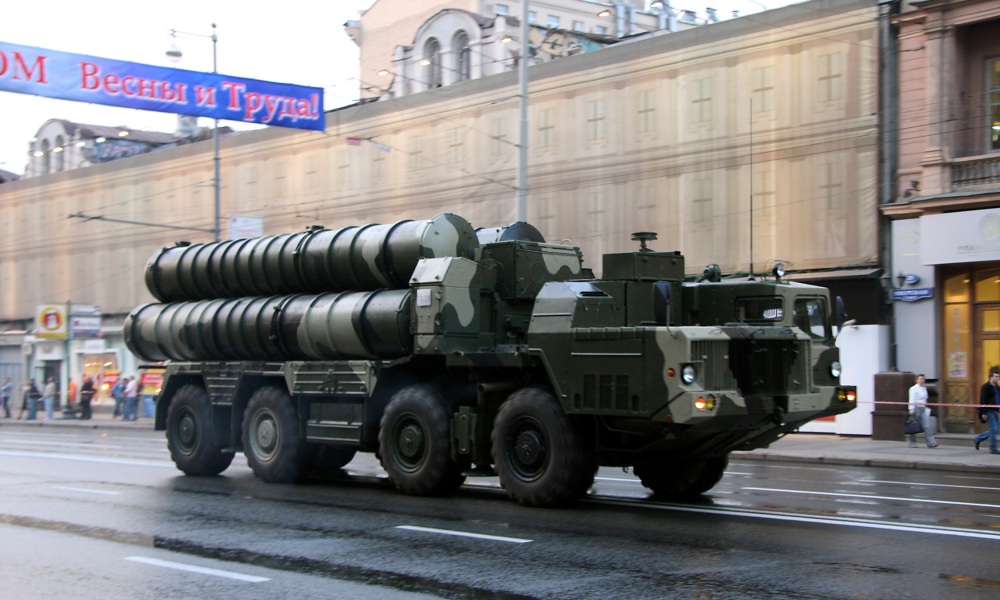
(319, 260)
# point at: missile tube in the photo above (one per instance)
(330, 326)
(364, 258)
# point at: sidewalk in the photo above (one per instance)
(955, 452)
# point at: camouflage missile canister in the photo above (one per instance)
(319, 260)
(347, 325)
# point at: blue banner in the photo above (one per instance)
(65, 76)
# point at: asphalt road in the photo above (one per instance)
(90, 513)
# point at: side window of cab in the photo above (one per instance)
(811, 316)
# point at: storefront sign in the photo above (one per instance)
(912, 294)
(83, 78)
(85, 326)
(961, 237)
(50, 321)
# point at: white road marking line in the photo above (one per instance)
(839, 521)
(115, 461)
(867, 497)
(483, 536)
(166, 564)
(944, 485)
(89, 491)
(95, 445)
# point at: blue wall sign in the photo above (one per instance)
(65, 76)
(913, 294)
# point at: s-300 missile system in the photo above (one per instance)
(449, 351)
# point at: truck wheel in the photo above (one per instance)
(415, 443)
(680, 481)
(189, 434)
(538, 455)
(272, 442)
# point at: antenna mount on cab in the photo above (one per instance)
(642, 237)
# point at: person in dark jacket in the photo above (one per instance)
(86, 395)
(989, 411)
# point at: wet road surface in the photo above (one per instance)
(130, 521)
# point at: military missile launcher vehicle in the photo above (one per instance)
(449, 352)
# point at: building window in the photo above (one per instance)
(762, 80)
(600, 30)
(994, 104)
(645, 102)
(463, 56)
(456, 146)
(501, 9)
(498, 136)
(311, 179)
(546, 128)
(432, 63)
(701, 204)
(344, 167)
(532, 17)
(552, 21)
(701, 100)
(831, 186)
(830, 77)
(579, 26)
(595, 120)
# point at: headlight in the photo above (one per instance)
(688, 374)
(706, 403)
(835, 369)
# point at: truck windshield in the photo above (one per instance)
(761, 309)
(811, 317)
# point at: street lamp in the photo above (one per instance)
(174, 54)
(522, 153)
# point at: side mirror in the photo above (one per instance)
(662, 299)
(841, 315)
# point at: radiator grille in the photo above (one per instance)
(754, 367)
(605, 392)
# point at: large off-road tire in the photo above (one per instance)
(540, 458)
(415, 443)
(272, 441)
(685, 480)
(190, 434)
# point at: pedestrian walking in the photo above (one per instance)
(87, 392)
(29, 400)
(118, 394)
(918, 408)
(989, 395)
(131, 399)
(70, 397)
(49, 397)
(6, 388)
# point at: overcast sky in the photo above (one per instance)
(301, 42)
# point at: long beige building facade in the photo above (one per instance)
(753, 132)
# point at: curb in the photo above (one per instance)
(870, 462)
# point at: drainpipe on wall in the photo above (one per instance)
(888, 140)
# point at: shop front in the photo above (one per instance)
(946, 296)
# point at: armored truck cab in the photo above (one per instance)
(506, 355)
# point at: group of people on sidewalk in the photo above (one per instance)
(988, 412)
(125, 393)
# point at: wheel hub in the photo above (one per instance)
(529, 447)
(411, 442)
(187, 430)
(266, 435)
